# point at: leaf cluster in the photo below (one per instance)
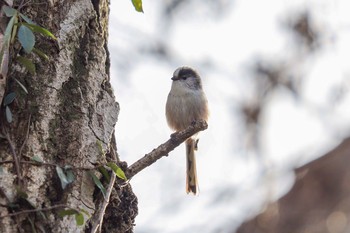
(22, 28)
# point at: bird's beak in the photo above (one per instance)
(174, 78)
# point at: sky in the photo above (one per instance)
(235, 181)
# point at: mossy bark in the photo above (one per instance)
(70, 106)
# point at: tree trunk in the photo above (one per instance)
(69, 111)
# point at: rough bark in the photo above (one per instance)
(317, 203)
(70, 106)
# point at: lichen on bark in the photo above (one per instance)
(72, 107)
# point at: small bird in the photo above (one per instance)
(187, 103)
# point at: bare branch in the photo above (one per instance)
(97, 223)
(14, 155)
(33, 210)
(36, 163)
(175, 140)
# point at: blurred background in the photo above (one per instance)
(276, 75)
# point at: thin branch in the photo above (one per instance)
(23, 4)
(36, 163)
(33, 210)
(175, 140)
(67, 165)
(14, 155)
(97, 223)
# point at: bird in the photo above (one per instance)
(185, 104)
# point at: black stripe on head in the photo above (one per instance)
(187, 72)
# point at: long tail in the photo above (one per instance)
(191, 171)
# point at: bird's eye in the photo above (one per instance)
(184, 77)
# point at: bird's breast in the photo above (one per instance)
(183, 108)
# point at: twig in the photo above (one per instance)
(14, 156)
(23, 4)
(33, 210)
(175, 140)
(97, 223)
(35, 163)
(64, 166)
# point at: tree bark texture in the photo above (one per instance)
(70, 106)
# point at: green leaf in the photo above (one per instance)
(62, 176)
(100, 147)
(98, 183)
(67, 212)
(79, 219)
(21, 85)
(14, 30)
(4, 56)
(40, 53)
(26, 38)
(104, 172)
(85, 212)
(138, 5)
(28, 20)
(8, 31)
(9, 98)
(70, 176)
(8, 114)
(36, 158)
(41, 30)
(9, 11)
(117, 170)
(4, 52)
(28, 64)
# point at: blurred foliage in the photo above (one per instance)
(138, 5)
(269, 72)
